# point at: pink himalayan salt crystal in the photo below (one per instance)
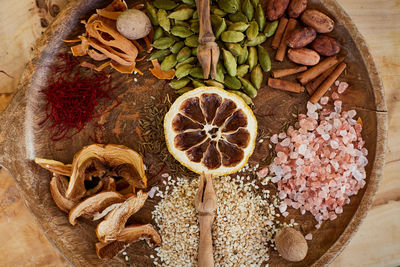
(263, 172)
(308, 236)
(335, 96)
(324, 100)
(164, 175)
(323, 164)
(282, 135)
(342, 87)
(274, 139)
(337, 82)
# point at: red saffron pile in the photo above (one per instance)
(72, 96)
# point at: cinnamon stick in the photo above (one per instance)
(318, 69)
(279, 32)
(314, 84)
(286, 72)
(328, 83)
(280, 53)
(285, 85)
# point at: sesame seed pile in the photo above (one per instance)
(243, 230)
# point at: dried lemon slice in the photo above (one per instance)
(210, 130)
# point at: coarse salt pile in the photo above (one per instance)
(320, 164)
(244, 225)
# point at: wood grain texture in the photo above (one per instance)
(379, 27)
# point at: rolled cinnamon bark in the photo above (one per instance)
(287, 72)
(285, 85)
(328, 83)
(279, 32)
(318, 69)
(280, 53)
(314, 84)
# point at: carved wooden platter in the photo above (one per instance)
(22, 139)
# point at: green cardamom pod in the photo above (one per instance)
(232, 37)
(232, 82)
(178, 84)
(270, 29)
(264, 59)
(248, 88)
(189, 2)
(238, 26)
(214, 83)
(163, 43)
(181, 14)
(229, 62)
(220, 29)
(165, 4)
(258, 40)
(181, 31)
(195, 26)
(163, 20)
(197, 83)
(243, 57)
(237, 17)
(260, 17)
(184, 90)
(195, 15)
(256, 76)
(228, 6)
(252, 31)
(160, 54)
(177, 47)
(183, 54)
(183, 71)
(245, 97)
(235, 49)
(194, 51)
(192, 41)
(169, 62)
(255, 2)
(253, 58)
(218, 12)
(196, 72)
(220, 72)
(181, 23)
(152, 13)
(248, 9)
(242, 70)
(158, 33)
(186, 61)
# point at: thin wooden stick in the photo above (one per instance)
(285, 85)
(286, 72)
(279, 32)
(280, 53)
(314, 84)
(328, 83)
(318, 69)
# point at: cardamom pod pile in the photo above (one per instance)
(240, 27)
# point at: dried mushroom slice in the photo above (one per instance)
(210, 130)
(120, 159)
(109, 229)
(58, 187)
(130, 234)
(54, 166)
(94, 204)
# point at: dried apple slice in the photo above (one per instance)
(128, 235)
(54, 166)
(94, 204)
(210, 130)
(58, 186)
(109, 229)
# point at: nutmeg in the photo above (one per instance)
(133, 24)
(291, 244)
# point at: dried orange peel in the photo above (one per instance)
(159, 73)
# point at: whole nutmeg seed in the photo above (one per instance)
(133, 24)
(291, 244)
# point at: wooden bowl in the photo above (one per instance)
(22, 139)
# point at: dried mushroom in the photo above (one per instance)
(128, 235)
(116, 158)
(54, 166)
(93, 205)
(58, 186)
(110, 228)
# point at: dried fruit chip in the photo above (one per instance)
(210, 130)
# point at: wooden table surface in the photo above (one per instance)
(377, 243)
